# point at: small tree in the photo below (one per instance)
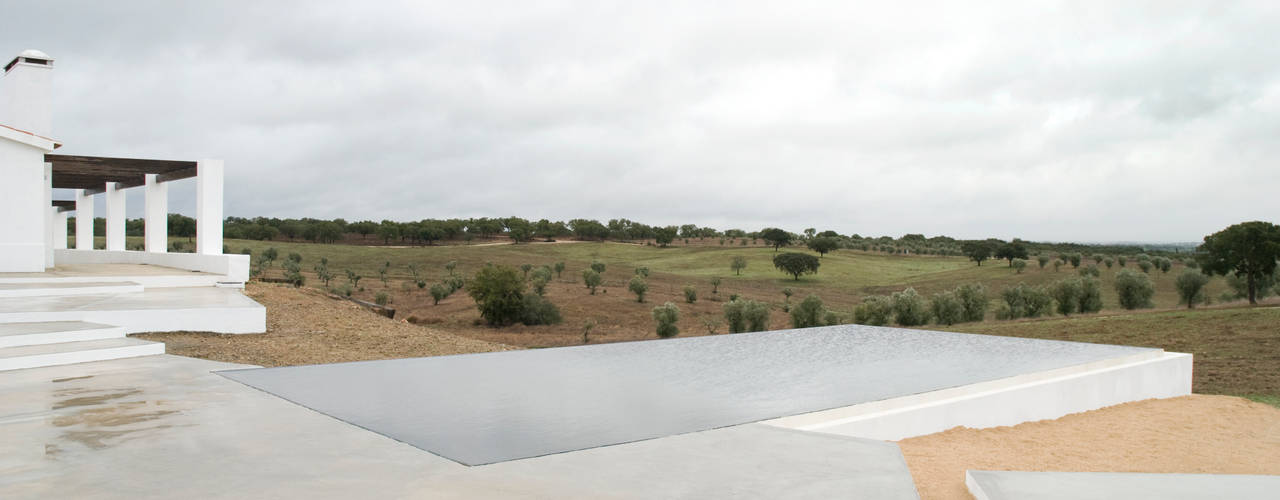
(353, 278)
(666, 315)
(381, 298)
(715, 285)
(738, 264)
(796, 263)
(1145, 265)
(382, 273)
(450, 266)
(559, 268)
(664, 235)
(499, 294)
(1075, 260)
(973, 297)
(1090, 296)
(1190, 286)
(735, 315)
(822, 245)
(776, 237)
(525, 268)
(1097, 259)
(1122, 260)
(876, 310)
(1090, 270)
(690, 294)
(1067, 294)
(541, 277)
(947, 308)
(295, 257)
(438, 293)
(1018, 265)
(1134, 290)
(909, 308)
(587, 326)
(1109, 262)
(809, 313)
(757, 316)
(1043, 260)
(642, 271)
(597, 266)
(1011, 251)
(1057, 264)
(591, 278)
(638, 286)
(977, 251)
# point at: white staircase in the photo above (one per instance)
(51, 343)
(63, 288)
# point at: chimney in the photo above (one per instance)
(26, 93)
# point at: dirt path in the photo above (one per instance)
(1191, 434)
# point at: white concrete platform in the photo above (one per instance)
(165, 427)
(203, 309)
(53, 332)
(1017, 485)
(1027, 397)
(66, 353)
(67, 288)
(148, 276)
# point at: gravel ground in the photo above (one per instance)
(305, 326)
(1190, 434)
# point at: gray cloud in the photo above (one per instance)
(1152, 121)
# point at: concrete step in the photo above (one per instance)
(66, 288)
(36, 356)
(199, 309)
(53, 332)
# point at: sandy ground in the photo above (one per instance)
(305, 326)
(1191, 434)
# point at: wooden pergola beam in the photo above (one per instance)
(91, 173)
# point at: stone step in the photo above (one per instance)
(53, 332)
(200, 309)
(36, 356)
(66, 288)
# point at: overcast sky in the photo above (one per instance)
(1082, 121)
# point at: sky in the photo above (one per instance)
(1050, 121)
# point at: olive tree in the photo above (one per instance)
(738, 264)
(638, 286)
(499, 293)
(796, 263)
(1190, 286)
(591, 278)
(809, 313)
(666, 316)
(1134, 290)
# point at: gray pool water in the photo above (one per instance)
(484, 408)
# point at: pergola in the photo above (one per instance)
(91, 175)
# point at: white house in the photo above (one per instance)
(61, 305)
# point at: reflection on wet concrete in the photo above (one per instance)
(101, 418)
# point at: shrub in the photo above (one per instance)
(757, 316)
(831, 318)
(450, 266)
(642, 271)
(1043, 260)
(1090, 270)
(638, 286)
(666, 315)
(947, 308)
(526, 268)
(1018, 265)
(973, 298)
(1023, 301)
(738, 263)
(735, 316)
(715, 285)
(876, 310)
(246, 251)
(536, 310)
(438, 293)
(909, 308)
(597, 266)
(1134, 290)
(1097, 259)
(382, 298)
(1145, 265)
(499, 293)
(796, 263)
(1164, 264)
(1075, 260)
(1190, 286)
(591, 278)
(809, 313)
(1067, 294)
(690, 294)
(271, 254)
(455, 283)
(1057, 264)
(1122, 260)
(1108, 262)
(344, 290)
(541, 277)
(1090, 296)
(1193, 264)
(559, 268)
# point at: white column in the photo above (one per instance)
(209, 207)
(84, 220)
(60, 230)
(115, 216)
(156, 234)
(49, 211)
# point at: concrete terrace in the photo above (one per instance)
(165, 426)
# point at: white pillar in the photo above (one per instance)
(84, 220)
(209, 207)
(60, 230)
(49, 212)
(156, 232)
(115, 216)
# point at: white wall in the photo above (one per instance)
(234, 266)
(22, 211)
(1011, 401)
